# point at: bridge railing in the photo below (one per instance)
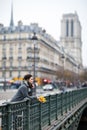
(34, 115)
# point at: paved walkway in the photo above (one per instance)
(6, 95)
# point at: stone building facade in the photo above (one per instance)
(20, 53)
(71, 36)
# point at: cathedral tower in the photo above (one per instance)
(71, 36)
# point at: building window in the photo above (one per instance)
(72, 28)
(67, 28)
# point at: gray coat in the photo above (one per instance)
(24, 91)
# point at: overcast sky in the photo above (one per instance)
(48, 15)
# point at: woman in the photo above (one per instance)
(25, 90)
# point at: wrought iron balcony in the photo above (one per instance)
(11, 58)
(19, 57)
(4, 58)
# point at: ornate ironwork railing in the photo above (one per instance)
(34, 115)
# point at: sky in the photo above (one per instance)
(48, 14)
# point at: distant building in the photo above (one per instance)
(71, 36)
(20, 53)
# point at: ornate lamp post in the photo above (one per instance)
(34, 38)
(11, 61)
(63, 60)
(4, 72)
(19, 66)
(78, 71)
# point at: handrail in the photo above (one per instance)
(34, 115)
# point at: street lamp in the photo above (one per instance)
(34, 38)
(78, 71)
(63, 60)
(4, 68)
(19, 66)
(78, 67)
(11, 61)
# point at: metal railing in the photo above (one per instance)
(34, 115)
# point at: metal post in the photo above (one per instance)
(11, 61)
(78, 72)
(34, 61)
(63, 60)
(34, 38)
(19, 72)
(78, 76)
(19, 67)
(4, 65)
(5, 79)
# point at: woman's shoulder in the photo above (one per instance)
(23, 86)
